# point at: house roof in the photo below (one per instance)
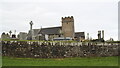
(50, 30)
(36, 31)
(79, 34)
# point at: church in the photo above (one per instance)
(64, 32)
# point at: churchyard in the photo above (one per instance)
(59, 53)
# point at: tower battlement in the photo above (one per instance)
(68, 19)
(68, 27)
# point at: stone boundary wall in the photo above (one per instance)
(31, 49)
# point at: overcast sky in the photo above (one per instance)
(89, 15)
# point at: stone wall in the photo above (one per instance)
(56, 49)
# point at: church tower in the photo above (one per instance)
(68, 27)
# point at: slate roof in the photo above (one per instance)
(35, 31)
(79, 34)
(50, 30)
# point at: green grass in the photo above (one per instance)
(69, 41)
(93, 61)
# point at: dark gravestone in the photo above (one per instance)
(13, 36)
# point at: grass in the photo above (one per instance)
(68, 41)
(93, 61)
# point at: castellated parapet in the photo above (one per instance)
(67, 19)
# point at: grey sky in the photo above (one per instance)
(90, 15)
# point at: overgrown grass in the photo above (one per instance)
(68, 41)
(93, 61)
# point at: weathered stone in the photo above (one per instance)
(58, 50)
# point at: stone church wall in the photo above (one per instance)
(68, 27)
